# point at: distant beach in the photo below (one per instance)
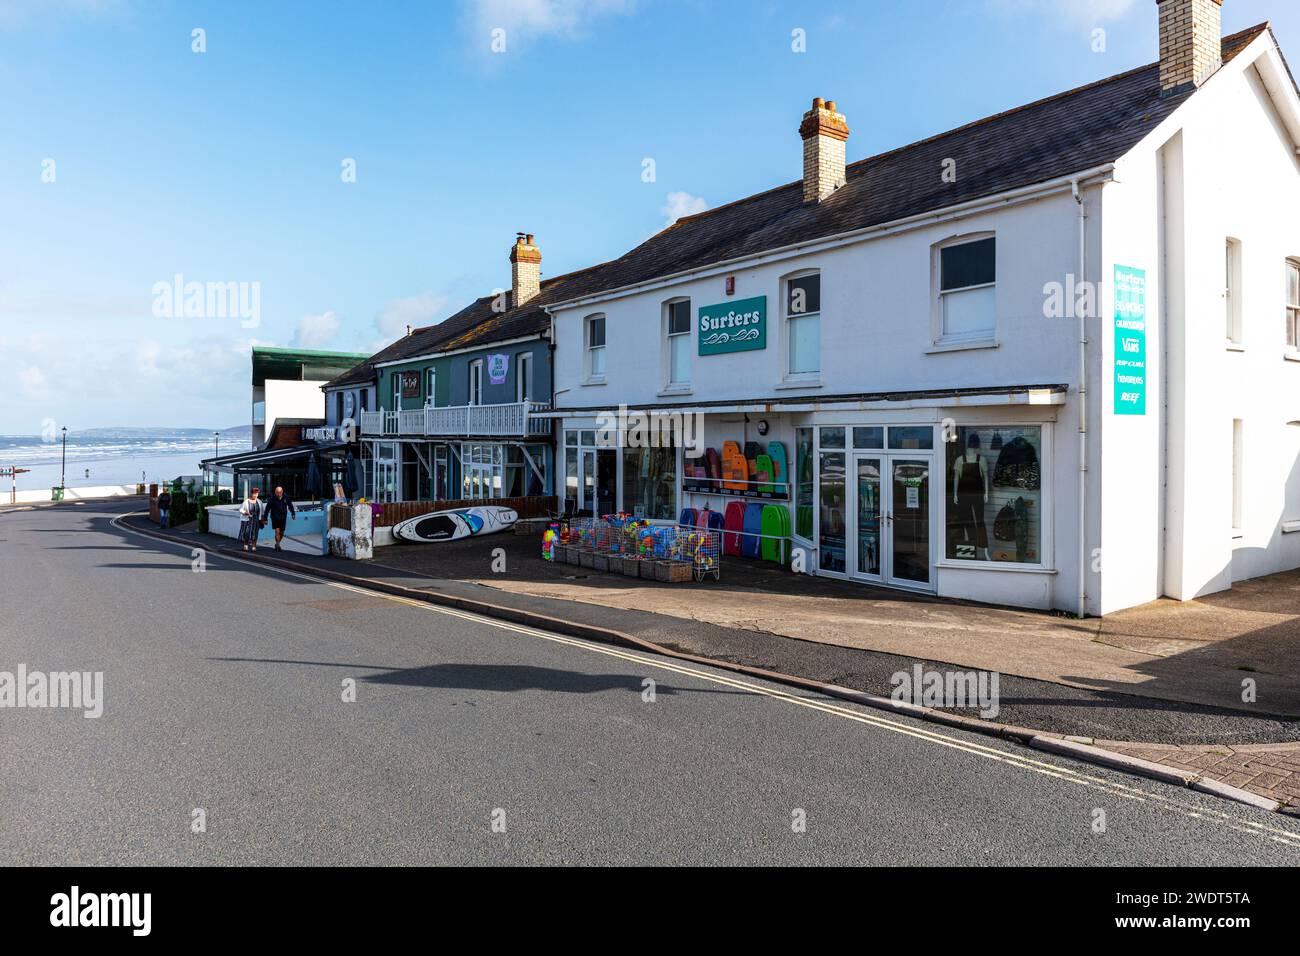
(94, 462)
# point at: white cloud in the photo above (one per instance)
(1085, 13)
(415, 311)
(530, 19)
(32, 383)
(682, 204)
(316, 331)
(119, 381)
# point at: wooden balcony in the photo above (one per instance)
(512, 420)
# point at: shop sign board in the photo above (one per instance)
(1130, 341)
(739, 326)
(498, 365)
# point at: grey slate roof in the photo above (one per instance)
(1048, 139)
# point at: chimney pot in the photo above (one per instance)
(824, 131)
(525, 270)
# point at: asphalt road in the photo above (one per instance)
(473, 742)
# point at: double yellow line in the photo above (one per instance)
(1281, 835)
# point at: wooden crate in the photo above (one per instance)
(673, 572)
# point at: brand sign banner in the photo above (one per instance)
(410, 385)
(1130, 341)
(739, 326)
(498, 365)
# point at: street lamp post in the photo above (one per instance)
(216, 444)
(63, 469)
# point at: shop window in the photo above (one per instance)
(1293, 303)
(431, 387)
(650, 482)
(911, 437)
(833, 527)
(993, 494)
(1232, 289)
(803, 491)
(832, 437)
(678, 323)
(397, 390)
(803, 306)
(967, 290)
(870, 436)
(571, 478)
(596, 347)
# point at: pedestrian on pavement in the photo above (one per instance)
(253, 515)
(280, 507)
(164, 506)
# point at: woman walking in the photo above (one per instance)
(253, 515)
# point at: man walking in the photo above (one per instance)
(164, 506)
(280, 508)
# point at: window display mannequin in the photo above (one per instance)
(970, 493)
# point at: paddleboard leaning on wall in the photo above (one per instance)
(454, 524)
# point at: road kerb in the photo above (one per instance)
(1052, 743)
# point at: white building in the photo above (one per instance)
(941, 336)
(287, 385)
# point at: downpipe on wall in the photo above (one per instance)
(1077, 193)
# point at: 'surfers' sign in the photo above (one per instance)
(739, 326)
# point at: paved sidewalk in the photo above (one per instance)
(1270, 770)
(1196, 652)
(1242, 745)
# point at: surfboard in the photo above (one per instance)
(775, 529)
(780, 468)
(733, 521)
(752, 451)
(454, 524)
(712, 467)
(751, 542)
(735, 470)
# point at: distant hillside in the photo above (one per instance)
(135, 433)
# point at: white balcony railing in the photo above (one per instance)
(513, 420)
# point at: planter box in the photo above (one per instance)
(673, 572)
(600, 562)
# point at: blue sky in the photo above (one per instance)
(226, 165)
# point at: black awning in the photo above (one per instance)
(252, 460)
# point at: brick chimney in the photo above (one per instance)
(525, 270)
(1191, 42)
(824, 132)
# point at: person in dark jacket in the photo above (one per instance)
(280, 507)
(164, 506)
(252, 515)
